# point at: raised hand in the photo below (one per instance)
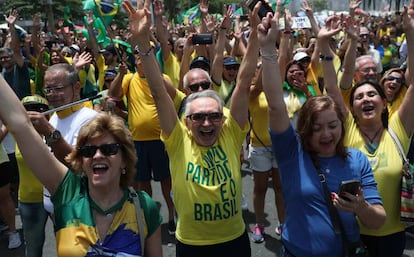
(139, 19)
(306, 7)
(158, 8)
(227, 12)
(332, 26)
(11, 19)
(267, 32)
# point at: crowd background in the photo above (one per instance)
(101, 53)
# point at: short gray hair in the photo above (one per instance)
(185, 78)
(71, 73)
(205, 93)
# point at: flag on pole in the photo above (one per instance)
(106, 9)
(191, 16)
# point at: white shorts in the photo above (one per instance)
(261, 158)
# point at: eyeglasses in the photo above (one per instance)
(397, 79)
(89, 151)
(204, 85)
(201, 117)
(231, 67)
(5, 58)
(36, 107)
(368, 69)
(57, 89)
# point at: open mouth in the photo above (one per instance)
(368, 108)
(99, 168)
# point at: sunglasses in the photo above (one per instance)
(89, 151)
(204, 85)
(231, 67)
(201, 117)
(397, 79)
(36, 107)
(364, 36)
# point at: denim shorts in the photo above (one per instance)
(261, 158)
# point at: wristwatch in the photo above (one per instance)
(53, 137)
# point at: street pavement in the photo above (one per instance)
(269, 248)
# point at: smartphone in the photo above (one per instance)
(350, 186)
(244, 17)
(264, 9)
(202, 39)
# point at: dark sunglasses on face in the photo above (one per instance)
(89, 151)
(204, 85)
(231, 67)
(36, 107)
(397, 79)
(201, 117)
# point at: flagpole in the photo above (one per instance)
(106, 27)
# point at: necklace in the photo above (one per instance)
(372, 145)
(108, 212)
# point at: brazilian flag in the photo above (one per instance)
(106, 9)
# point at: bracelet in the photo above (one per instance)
(147, 53)
(287, 32)
(326, 58)
(268, 57)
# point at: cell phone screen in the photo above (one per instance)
(350, 186)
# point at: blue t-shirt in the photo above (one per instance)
(308, 230)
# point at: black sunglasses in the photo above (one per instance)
(89, 151)
(200, 116)
(204, 85)
(397, 79)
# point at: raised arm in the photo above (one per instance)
(330, 79)
(217, 64)
(140, 22)
(41, 161)
(161, 29)
(350, 55)
(240, 97)
(407, 106)
(15, 41)
(271, 79)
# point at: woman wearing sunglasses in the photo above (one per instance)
(94, 212)
(393, 84)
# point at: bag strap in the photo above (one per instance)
(133, 194)
(398, 144)
(333, 212)
(400, 149)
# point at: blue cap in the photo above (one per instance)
(230, 61)
(199, 60)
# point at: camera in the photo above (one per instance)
(264, 9)
(202, 39)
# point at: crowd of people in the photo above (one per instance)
(313, 107)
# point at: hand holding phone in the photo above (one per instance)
(264, 9)
(202, 39)
(350, 186)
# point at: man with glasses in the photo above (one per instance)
(364, 39)
(203, 150)
(61, 87)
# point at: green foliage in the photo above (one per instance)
(319, 5)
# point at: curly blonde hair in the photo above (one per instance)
(98, 126)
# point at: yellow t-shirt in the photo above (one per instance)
(207, 185)
(172, 69)
(259, 121)
(142, 113)
(30, 188)
(394, 105)
(225, 90)
(386, 164)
